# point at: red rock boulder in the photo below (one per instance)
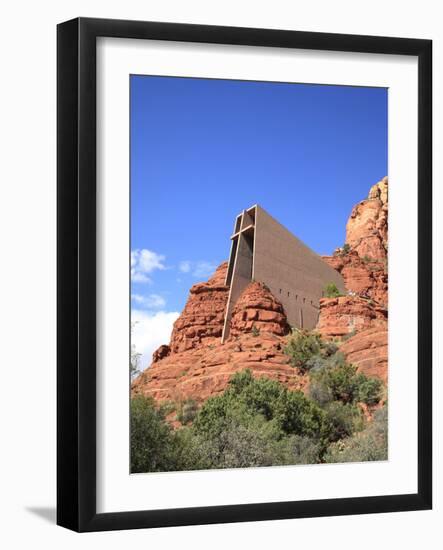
(203, 315)
(258, 310)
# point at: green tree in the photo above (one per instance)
(302, 346)
(155, 446)
(307, 349)
(369, 445)
(341, 382)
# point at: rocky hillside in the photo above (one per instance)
(197, 365)
(362, 316)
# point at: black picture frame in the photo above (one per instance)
(76, 265)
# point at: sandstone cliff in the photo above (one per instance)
(198, 365)
(361, 317)
(203, 315)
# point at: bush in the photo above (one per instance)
(235, 430)
(307, 350)
(369, 390)
(187, 411)
(339, 381)
(298, 415)
(246, 398)
(341, 420)
(368, 445)
(302, 346)
(152, 443)
(259, 422)
(331, 291)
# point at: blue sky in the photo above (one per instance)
(203, 150)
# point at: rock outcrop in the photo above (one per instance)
(203, 315)
(205, 371)
(347, 315)
(368, 350)
(362, 276)
(258, 310)
(362, 315)
(367, 227)
(197, 365)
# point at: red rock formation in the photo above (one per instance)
(362, 276)
(368, 350)
(203, 367)
(203, 315)
(367, 228)
(258, 309)
(205, 370)
(347, 315)
(160, 353)
(363, 265)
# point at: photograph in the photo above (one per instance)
(259, 274)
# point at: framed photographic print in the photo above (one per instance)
(244, 274)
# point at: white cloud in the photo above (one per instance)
(185, 266)
(151, 301)
(204, 269)
(150, 331)
(201, 268)
(143, 262)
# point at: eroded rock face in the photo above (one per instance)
(160, 353)
(362, 276)
(258, 310)
(368, 350)
(203, 315)
(348, 315)
(198, 365)
(367, 227)
(205, 371)
(362, 315)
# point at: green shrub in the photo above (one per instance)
(341, 420)
(187, 411)
(369, 390)
(302, 346)
(285, 411)
(369, 445)
(339, 381)
(334, 384)
(299, 415)
(331, 291)
(255, 331)
(258, 422)
(152, 442)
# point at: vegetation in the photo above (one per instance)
(304, 348)
(255, 331)
(187, 411)
(331, 291)
(370, 444)
(260, 422)
(134, 361)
